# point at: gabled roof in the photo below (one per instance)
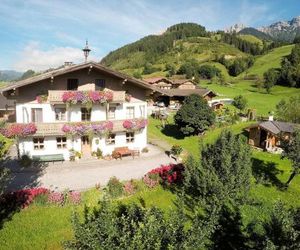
(182, 81)
(186, 92)
(277, 127)
(157, 79)
(72, 68)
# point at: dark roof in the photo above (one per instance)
(72, 68)
(6, 104)
(276, 127)
(187, 92)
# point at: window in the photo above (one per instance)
(100, 83)
(72, 84)
(60, 114)
(85, 114)
(110, 139)
(38, 143)
(61, 142)
(111, 113)
(142, 110)
(129, 112)
(37, 115)
(129, 137)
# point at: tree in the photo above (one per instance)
(240, 102)
(27, 74)
(194, 116)
(289, 111)
(270, 79)
(137, 74)
(208, 71)
(171, 68)
(291, 151)
(222, 176)
(3, 171)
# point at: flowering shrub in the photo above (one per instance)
(75, 197)
(41, 98)
(19, 130)
(56, 198)
(129, 188)
(135, 124)
(21, 198)
(169, 174)
(87, 128)
(87, 97)
(151, 180)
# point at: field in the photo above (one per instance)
(257, 99)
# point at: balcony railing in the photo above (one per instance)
(55, 96)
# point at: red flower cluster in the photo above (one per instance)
(19, 130)
(170, 174)
(135, 124)
(21, 198)
(75, 97)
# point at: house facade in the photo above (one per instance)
(79, 108)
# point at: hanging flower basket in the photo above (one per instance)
(19, 130)
(127, 97)
(80, 129)
(87, 97)
(135, 124)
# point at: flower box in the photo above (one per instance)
(135, 124)
(87, 128)
(19, 130)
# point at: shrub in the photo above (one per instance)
(74, 197)
(114, 187)
(56, 198)
(176, 150)
(151, 180)
(169, 174)
(129, 188)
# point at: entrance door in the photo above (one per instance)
(85, 146)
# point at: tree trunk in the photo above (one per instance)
(291, 178)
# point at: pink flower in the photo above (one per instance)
(135, 124)
(75, 197)
(19, 130)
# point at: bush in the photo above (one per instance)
(74, 197)
(114, 187)
(240, 102)
(176, 150)
(145, 150)
(151, 180)
(208, 71)
(56, 198)
(169, 174)
(129, 187)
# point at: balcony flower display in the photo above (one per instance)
(41, 98)
(19, 130)
(135, 124)
(80, 128)
(87, 97)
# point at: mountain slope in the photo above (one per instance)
(254, 32)
(9, 75)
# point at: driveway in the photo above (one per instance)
(85, 174)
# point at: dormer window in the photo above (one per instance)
(72, 84)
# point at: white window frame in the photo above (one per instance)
(61, 142)
(110, 139)
(111, 115)
(130, 137)
(142, 110)
(38, 143)
(60, 116)
(130, 112)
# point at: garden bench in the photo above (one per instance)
(48, 158)
(119, 152)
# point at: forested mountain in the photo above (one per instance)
(9, 75)
(254, 32)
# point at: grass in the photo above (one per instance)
(257, 99)
(268, 61)
(251, 39)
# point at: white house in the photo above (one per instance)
(79, 108)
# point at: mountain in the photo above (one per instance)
(9, 75)
(235, 28)
(254, 32)
(283, 30)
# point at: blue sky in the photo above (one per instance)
(39, 34)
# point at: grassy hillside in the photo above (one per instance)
(252, 39)
(269, 60)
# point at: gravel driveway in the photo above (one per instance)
(85, 174)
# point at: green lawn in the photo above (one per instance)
(257, 99)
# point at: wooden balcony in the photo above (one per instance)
(55, 129)
(55, 96)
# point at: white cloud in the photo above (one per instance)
(33, 57)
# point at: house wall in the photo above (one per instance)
(254, 137)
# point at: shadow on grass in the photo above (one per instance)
(172, 130)
(18, 178)
(266, 173)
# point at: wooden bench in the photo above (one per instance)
(48, 158)
(119, 152)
